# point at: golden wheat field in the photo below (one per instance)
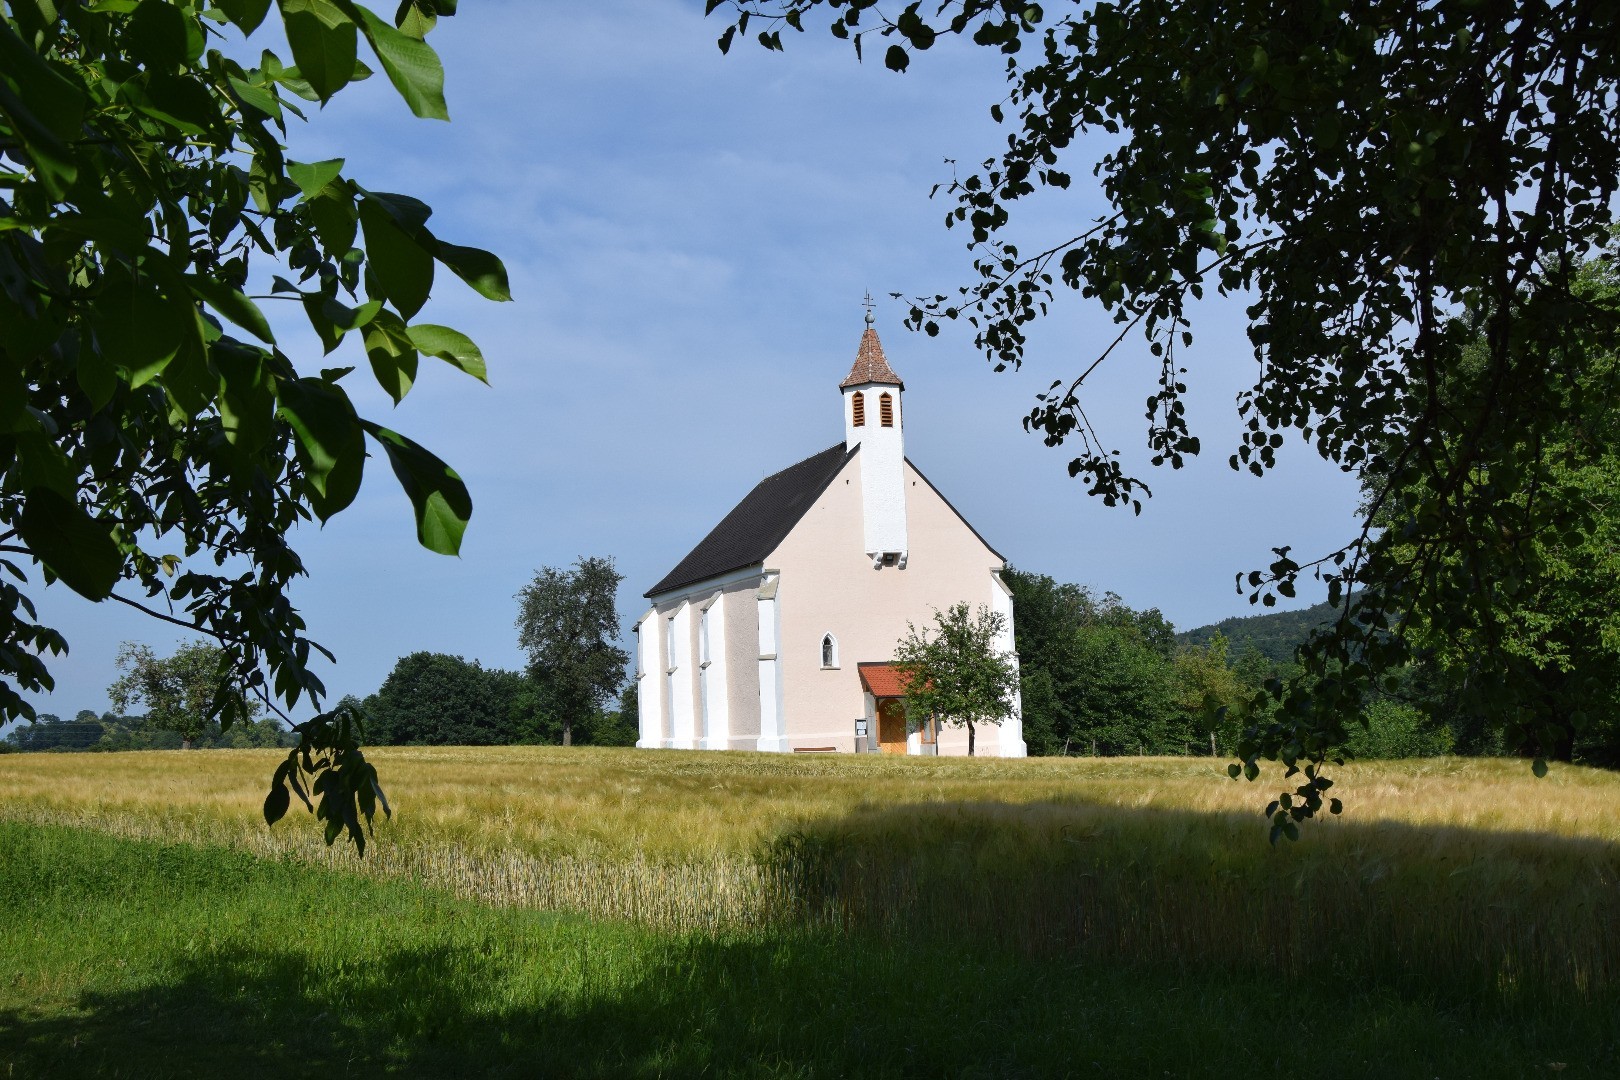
(1469, 869)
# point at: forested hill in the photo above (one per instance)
(1275, 634)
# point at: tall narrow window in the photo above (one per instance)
(886, 410)
(858, 403)
(829, 652)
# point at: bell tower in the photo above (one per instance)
(873, 420)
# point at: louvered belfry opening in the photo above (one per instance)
(858, 402)
(886, 410)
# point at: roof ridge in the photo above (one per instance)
(803, 461)
(757, 524)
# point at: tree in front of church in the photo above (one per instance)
(568, 623)
(158, 449)
(1360, 173)
(177, 691)
(955, 671)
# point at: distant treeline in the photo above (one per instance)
(110, 731)
(1274, 636)
(1102, 678)
(432, 699)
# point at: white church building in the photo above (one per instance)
(777, 631)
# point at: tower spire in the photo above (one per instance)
(867, 303)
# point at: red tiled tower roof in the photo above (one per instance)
(870, 365)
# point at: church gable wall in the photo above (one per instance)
(828, 585)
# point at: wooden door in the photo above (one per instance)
(892, 725)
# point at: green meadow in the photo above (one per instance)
(539, 911)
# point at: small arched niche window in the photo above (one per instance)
(829, 651)
(857, 403)
(886, 410)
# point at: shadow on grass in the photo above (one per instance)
(1465, 912)
(791, 1007)
(937, 940)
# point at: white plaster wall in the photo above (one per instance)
(828, 584)
(883, 469)
(649, 682)
(716, 730)
(768, 624)
(742, 666)
(1010, 735)
(732, 679)
(679, 655)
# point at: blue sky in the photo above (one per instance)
(689, 237)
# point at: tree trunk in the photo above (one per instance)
(970, 738)
(1212, 750)
(568, 733)
(185, 742)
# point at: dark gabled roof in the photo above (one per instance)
(757, 524)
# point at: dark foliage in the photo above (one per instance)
(1275, 635)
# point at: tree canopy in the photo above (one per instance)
(955, 670)
(157, 447)
(568, 623)
(178, 691)
(1384, 184)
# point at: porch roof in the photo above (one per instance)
(882, 680)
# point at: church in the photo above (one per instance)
(778, 630)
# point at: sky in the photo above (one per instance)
(689, 237)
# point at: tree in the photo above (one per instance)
(1546, 637)
(431, 699)
(1097, 676)
(1361, 171)
(960, 675)
(567, 622)
(51, 732)
(1208, 689)
(178, 691)
(156, 447)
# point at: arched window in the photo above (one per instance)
(829, 651)
(886, 410)
(858, 403)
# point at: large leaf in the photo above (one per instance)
(452, 346)
(392, 351)
(331, 447)
(335, 218)
(437, 494)
(412, 65)
(477, 267)
(137, 327)
(70, 543)
(313, 176)
(247, 398)
(159, 35)
(324, 43)
(177, 100)
(396, 263)
(257, 96)
(246, 14)
(232, 304)
(46, 109)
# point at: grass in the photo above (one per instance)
(1473, 872)
(130, 958)
(822, 916)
